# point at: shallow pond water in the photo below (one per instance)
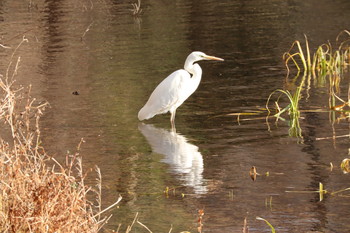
(112, 61)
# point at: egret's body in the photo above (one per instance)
(175, 89)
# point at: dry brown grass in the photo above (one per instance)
(35, 197)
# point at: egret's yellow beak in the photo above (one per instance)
(213, 58)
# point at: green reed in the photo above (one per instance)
(324, 67)
(324, 60)
(268, 223)
(292, 108)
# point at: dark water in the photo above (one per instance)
(114, 61)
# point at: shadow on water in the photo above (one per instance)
(184, 158)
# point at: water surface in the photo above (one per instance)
(114, 61)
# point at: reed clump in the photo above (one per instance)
(36, 197)
(292, 108)
(326, 59)
(324, 62)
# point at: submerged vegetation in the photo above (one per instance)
(268, 223)
(325, 67)
(325, 60)
(136, 11)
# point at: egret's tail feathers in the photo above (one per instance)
(144, 114)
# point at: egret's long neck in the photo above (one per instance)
(196, 71)
(193, 69)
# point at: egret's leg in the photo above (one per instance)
(172, 119)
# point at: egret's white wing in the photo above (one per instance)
(166, 95)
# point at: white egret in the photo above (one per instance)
(175, 89)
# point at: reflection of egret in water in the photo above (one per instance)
(183, 157)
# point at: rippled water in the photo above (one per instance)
(113, 61)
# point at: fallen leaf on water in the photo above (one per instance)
(345, 165)
(252, 173)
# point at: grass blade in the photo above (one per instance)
(267, 222)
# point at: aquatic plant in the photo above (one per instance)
(136, 11)
(289, 55)
(325, 60)
(86, 30)
(321, 191)
(324, 63)
(268, 223)
(292, 108)
(245, 226)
